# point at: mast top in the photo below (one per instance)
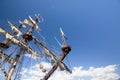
(66, 48)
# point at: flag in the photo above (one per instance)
(32, 24)
(28, 23)
(62, 33)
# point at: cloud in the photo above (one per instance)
(102, 73)
(34, 72)
(30, 56)
(78, 73)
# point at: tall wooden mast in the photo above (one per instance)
(65, 49)
(14, 64)
(26, 37)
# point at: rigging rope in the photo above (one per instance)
(41, 36)
(19, 68)
(7, 58)
(68, 62)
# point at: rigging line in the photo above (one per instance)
(51, 46)
(7, 58)
(42, 53)
(29, 59)
(44, 42)
(58, 42)
(68, 62)
(3, 69)
(55, 49)
(12, 52)
(19, 67)
(41, 35)
(38, 48)
(17, 71)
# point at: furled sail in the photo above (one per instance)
(15, 41)
(14, 29)
(62, 66)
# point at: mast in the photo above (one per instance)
(23, 44)
(14, 64)
(15, 41)
(26, 37)
(51, 54)
(65, 49)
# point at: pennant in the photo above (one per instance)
(28, 23)
(32, 24)
(63, 35)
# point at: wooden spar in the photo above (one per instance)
(17, 57)
(15, 41)
(52, 55)
(14, 64)
(44, 47)
(66, 50)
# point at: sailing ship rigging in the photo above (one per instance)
(19, 42)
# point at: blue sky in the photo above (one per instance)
(92, 26)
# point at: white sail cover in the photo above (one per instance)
(19, 43)
(14, 29)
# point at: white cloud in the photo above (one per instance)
(31, 56)
(34, 72)
(101, 73)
